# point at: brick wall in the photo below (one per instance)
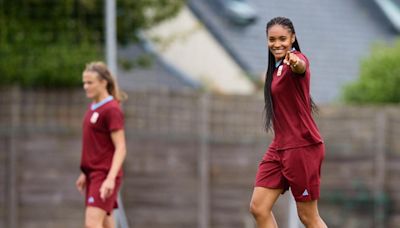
(173, 138)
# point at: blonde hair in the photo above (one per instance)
(104, 73)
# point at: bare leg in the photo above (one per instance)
(94, 217)
(309, 215)
(261, 204)
(109, 222)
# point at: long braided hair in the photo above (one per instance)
(268, 107)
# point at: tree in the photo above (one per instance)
(46, 42)
(379, 78)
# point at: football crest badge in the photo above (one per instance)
(279, 70)
(94, 117)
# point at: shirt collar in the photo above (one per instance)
(94, 106)
(278, 63)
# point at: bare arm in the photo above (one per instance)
(118, 138)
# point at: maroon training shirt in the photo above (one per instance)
(97, 146)
(293, 123)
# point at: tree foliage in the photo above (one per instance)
(47, 42)
(379, 78)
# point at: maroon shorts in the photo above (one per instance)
(94, 180)
(297, 168)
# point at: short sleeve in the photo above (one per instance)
(305, 59)
(115, 119)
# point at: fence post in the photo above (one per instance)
(293, 218)
(12, 170)
(204, 163)
(380, 162)
(120, 216)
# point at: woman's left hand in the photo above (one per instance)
(107, 188)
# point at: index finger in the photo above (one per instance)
(103, 193)
(287, 56)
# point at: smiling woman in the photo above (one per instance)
(294, 158)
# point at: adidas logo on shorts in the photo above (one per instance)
(91, 199)
(305, 193)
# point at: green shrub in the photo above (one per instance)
(47, 43)
(54, 65)
(379, 78)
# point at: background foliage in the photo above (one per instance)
(46, 43)
(379, 78)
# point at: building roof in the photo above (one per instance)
(186, 44)
(158, 75)
(334, 35)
